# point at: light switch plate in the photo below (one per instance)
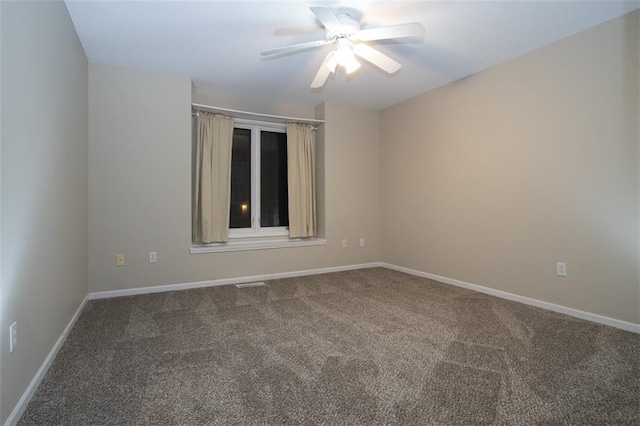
(561, 269)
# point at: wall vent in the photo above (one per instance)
(257, 284)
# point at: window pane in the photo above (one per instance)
(240, 216)
(274, 201)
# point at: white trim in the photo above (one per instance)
(18, 410)
(271, 231)
(255, 115)
(612, 322)
(244, 123)
(255, 245)
(226, 281)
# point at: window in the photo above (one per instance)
(251, 190)
(259, 188)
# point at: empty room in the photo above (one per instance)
(340, 213)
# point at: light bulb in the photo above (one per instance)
(343, 52)
(352, 66)
(344, 56)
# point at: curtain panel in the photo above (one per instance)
(302, 180)
(212, 186)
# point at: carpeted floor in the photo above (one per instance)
(370, 346)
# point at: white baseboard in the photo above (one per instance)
(18, 410)
(226, 281)
(624, 325)
(635, 328)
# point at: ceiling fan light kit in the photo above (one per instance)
(350, 41)
(344, 56)
(352, 66)
(331, 62)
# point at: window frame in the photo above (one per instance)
(256, 230)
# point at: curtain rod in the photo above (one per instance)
(256, 115)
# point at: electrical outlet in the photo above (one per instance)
(153, 257)
(119, 259)
(13, 336)
(345, 243)
(361, 242)
(561, 269)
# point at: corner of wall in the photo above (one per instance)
(44, 187)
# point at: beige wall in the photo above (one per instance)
(44, 185)
(139, 126)
(2, 298)
(274, 108)
(140, 187)
(352, 181)
(493, 179)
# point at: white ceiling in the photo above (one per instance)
(218, 43)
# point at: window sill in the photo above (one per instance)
(256, 245)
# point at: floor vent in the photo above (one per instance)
(258, 284)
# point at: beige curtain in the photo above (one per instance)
(302, 181)
(212, 189)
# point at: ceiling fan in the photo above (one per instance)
(350, 41)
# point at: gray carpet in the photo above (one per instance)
(371, 346)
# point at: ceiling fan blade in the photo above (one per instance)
(328, 66)
(376, 57)
(321, 77)
(328, 18)
(413, 29)
(295, 47)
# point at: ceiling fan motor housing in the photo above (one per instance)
(348, 28)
